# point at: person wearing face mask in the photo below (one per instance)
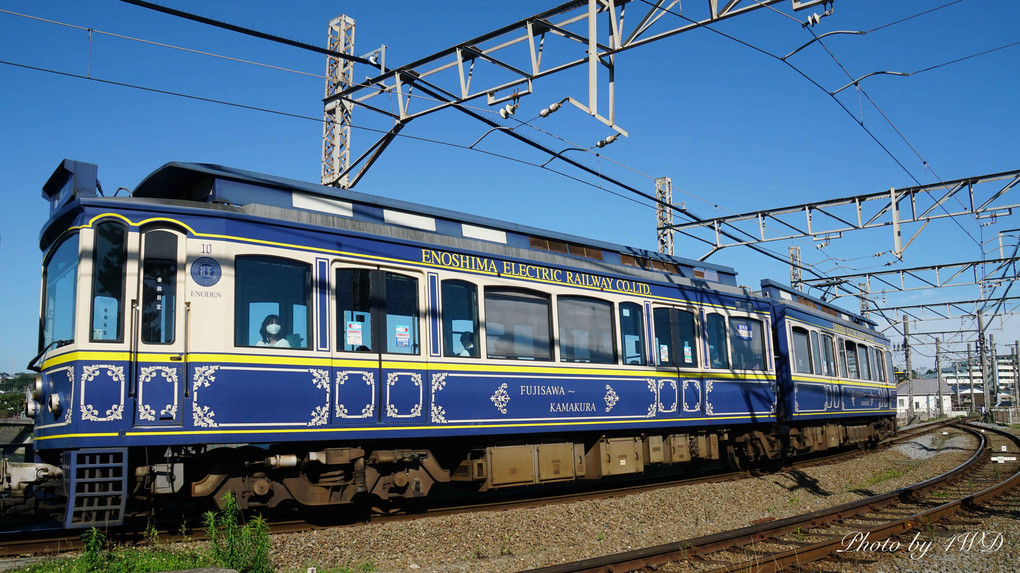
(271, 333)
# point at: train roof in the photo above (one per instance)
(787, 295)
(217, 184)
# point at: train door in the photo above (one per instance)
(379, 365)
(157, 329)
(675, 348)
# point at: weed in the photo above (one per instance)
(241, 547)
(505, 548)
(879, 478)
(600, 537)
(95, 555)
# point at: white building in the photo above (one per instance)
(966, 381)
(926, 398)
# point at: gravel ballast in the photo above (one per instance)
(516, 539)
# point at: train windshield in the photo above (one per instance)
(61, 280)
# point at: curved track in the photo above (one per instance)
(778, 545)
(56, 540)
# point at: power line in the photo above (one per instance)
(263, 35)
(161, 44)
(248, 31)
(309, 118)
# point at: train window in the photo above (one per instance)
(828, 361)
(890, 376)
(865, 361)
(517, 325)
(664, 354)
(108, 269)
(816, 353)
(159, 287)
(801, 351)
(60, 278)
(632, 333)
(460, 319)
(748, 344)
(718, 355)
(354, 309)
(851, 361)
(586, 330)
(879, 369)
(402, 317)
(273, 302)
(675, 340)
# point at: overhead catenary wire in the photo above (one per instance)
(419, 83)
(263, 35)
(279, 68)
(598, 156)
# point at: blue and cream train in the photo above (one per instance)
(224, 331)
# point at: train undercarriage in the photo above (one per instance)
(99, 484)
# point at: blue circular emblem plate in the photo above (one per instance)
(206, 272)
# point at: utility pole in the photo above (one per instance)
(956, 376)
(664, 214)
(796, 279)
(336, 117)
(970, 377)
(1016, 373)
(994, 360)
(938, 370)
(981, 359)
(910, 371)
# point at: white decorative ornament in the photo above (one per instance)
(501, 398)
(89, 411)
(611, 398)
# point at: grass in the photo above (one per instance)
(881, 477)
(232, 544)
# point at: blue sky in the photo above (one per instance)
(735, 129)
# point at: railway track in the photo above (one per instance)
(865, 528)
(56, 540)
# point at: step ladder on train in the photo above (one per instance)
(96, 484)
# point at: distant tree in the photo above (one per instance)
(17, 382)
(11, 404)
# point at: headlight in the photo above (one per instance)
(37, 387)
(31, 407)
(55, 403)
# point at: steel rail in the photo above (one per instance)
(823, 549)
(684, 550)
(54, 540)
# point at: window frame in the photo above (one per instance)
(243, 327)
(447, 325)
(120, 297)
(152, 258)
(828, 355)
(610, 308)
(676, 339)
(379, 311)
(47, 334)
(757, 332)
(523, 294)
(795, 333)
(712, 334)
(641, 333)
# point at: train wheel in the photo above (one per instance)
(734, 459)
